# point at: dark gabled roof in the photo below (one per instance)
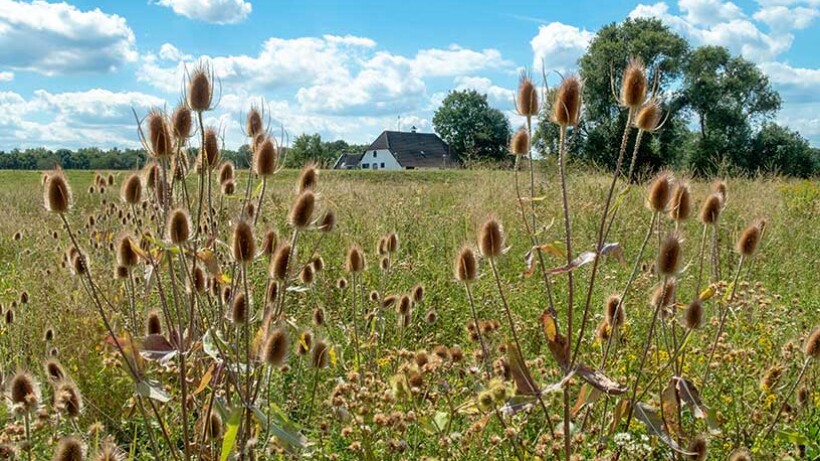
(348, 160)
(415, 150)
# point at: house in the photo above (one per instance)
(399, 150)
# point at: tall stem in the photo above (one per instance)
(562, 153)
(724, 313)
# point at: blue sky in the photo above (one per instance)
(71, 72)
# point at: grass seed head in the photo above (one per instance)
(634, 84)
(69, 449)
(302, 211)
(244, 243)
(566, 110)
(491, 239)
(57, 193)
(526, 101)
(264, 158)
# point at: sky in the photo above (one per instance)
(72, 73)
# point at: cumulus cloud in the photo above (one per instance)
(58, 38)
(213, 11)
(782, 18)
(709, 12)
(558, 46)
(6, 76)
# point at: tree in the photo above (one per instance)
(730, 97)
(472, 129)
(309, 148)
(780, 150)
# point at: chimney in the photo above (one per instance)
(413, 129)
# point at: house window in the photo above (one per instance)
(375, 166)
(374, 154)
(382, 165)
(365, 165)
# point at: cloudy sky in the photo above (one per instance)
(71, 71)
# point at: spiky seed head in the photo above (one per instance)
(57, 193)
(68, 399)
(210, 149)
(308, 178)
(200, 281)
(126, 256)
(722, 189)
(302, 211)
(305, 342)
(341, 283)
(153, 325)
(226, 171)
(693, 316)
(680, 205)
(526, 101)
(318, 316)
(670, 255)
(152, 174)
(664, 294)
(9, 316)
(418, 293)
(566, 110)
(279, 263)
(634, 84)
(54, 370)
(374, 296)
(69, 449)
(271, 292)
(49, 334)
(388, 301)
(749, 240)
(803, 394)
(741, 454)
(306, 275)
(384, 264)
(355, 260)
(319, 355)
(200, 90)
(466, 265)
(131, 192)
(491, 239)
(659, 193)
(254, 126)
(328, 221)
(264, 158)
(382, 246)
(404, 305)
(179, 226)
(160, 140)
(215, 426)
(318, 264)
(244, 243)
(239, 309)
(602, 331)
(269, 243)
(649, 116)
(228, 187)
(392, 242)
(614, 314)
(109, 451)
(812, 348)
(182, 122)
(430, 317)
(710, 211)
(24, 391)
(276, 348)
(699, 448)
(520, 143)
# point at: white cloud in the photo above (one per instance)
(456, 60)
(6, 76)
(709, 12)
(498, 97)
(213, 11)
(56, 38)
(558, 46)
(782, 18)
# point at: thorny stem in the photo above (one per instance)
(571, 283)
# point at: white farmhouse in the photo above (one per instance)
(398, 150)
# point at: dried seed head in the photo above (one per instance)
(418, 293)
(131, 192)
(24, 391)
(614, 313)
(355, 260)
(520, 143)
(328, 221)
(269, 243)
(49, 334)
(318, 316)
(226, 172)
(466, 265)
(182, 122)
(319, 355)
(9, 316)
(228, 188)
(720, 188)
(210, 149)
(215, 426)
(694, 314)
(200, 90)
(680, 206)
(305, 342)
(271, 292)
(57, 193)
(239, 309)
(318, 264)
(392, 242)
(254, 126)
(153, 325)
(264, 158)
(69, 449)
(152, 174)
(384, 264)
(749, 240)
(160, 140)
(430, 317)
(276, 348)
(308, 178)
(634, 84)
(699, 448)
(649, 116)
(109, 451)
(771, 377)
(404, 305)
(279, 263)
(388, 301)
(491, 239)
(741, 454)
(306, 275)
(566, 110)
(710, 211)
(812, 348)
(179, 226)
(244, 243)
(341, 283)
(664, 294)
(302, 211)
(374, 296)
(659, 192)
(68, 399)
(803, 394)
(200, 281)
(54, 370)
(526, 101)
(126, 256)
(669, 255)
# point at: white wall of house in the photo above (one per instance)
(381, 159)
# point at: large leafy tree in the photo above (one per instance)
(730, 98)
(473, 129)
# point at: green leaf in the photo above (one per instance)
(230, 434)
(441, 419)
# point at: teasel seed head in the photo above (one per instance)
(699, 448)
(384, 264)
(664, 294)
(269, 243)
(318, 264)
(264, 158)
(355, 260)
(68, 399)
(318, 316)
(276, 348)
(374, 296)
(226, 172)
(228, 187)
(271, 292)
(200, 281)
(614, 314)
(280, 261)
(693, 317)
(520, 143)
(466, 265)
(160, 140)
(305, 343)
(566, 110)
(659, 193)
(126, 256)
(49, 335)
(526, 101)
(210, 150)
(182, 123)
(69, 449)
(721, 189)
(244, 243)
(341, 283)
(812, 348)
(430, 317)
(741, 454)
(302, 211)
(418, 293)
(389, 301)
(634, 84)
(179, 226)
(328, 221)
(803, 395)
(131, 192)
(404, 305)
(710, 211)
(649, 116)
(491, 239)
(308, 178)
(306, 275)
(57, 193)
(200, 89)
(319, 355)
(240, 309)
(254, 126)
(24, 391)
(153, 324)
(680, 205)
(382, 246)
(670, 255)
(215, 427)
(109, 451)
(749, 240)
(54, 370)
(392, 242)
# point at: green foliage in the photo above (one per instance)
(308, 148)
(780, 150)
(473, 129)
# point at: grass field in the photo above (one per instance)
(776, 306)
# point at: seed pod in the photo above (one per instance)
(812, 348)
(244, 243)
(355, 260)
(210, 149)
(466, 265)
(131, 192)
(649, 116)
(614, 314)
(694, 315)
(126, 256)
(749, 240)
(57, 193)
(634, 84)
(308, 178)
(153, 325)
(302, 211)
(328, 221)
(200, 90)
(669, 255)
(319, 355)
(710, 211)
(659, 193)
(69, 449)
(182, 123)
(280, 261)
(276, 348)
(264, 158)
(526, 101)
(491, 239)
(566, 110)
(159, 135)
(239, 309)
(680, 207)
(520, 143)
(179, 226)
(254, 126)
